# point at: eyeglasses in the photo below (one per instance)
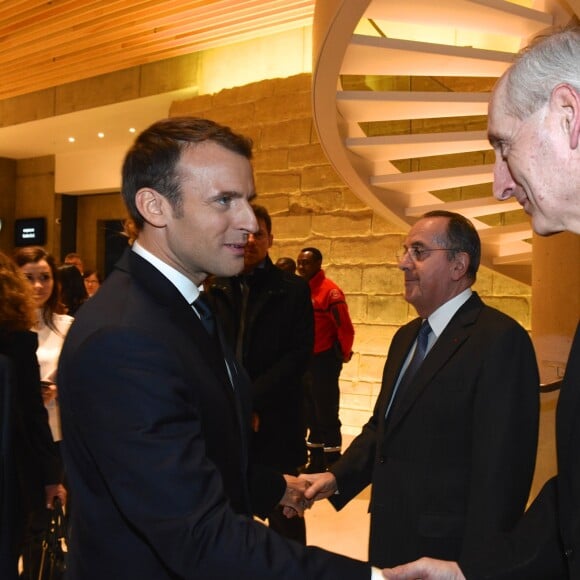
(418, 254)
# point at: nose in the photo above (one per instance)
(503, 182)
(248, 221)
(405, 262)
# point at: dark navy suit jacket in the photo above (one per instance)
(156, 447)
(455, 459)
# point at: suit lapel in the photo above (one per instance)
(453, 336)
(396, 358)
(178, 311)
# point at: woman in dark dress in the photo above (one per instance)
(32, 459)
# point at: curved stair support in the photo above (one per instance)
(457, 47)
(333, 27)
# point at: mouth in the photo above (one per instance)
(237, 248)
(524, 201)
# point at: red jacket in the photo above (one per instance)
(331, 319)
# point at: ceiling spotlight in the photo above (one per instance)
(100, 135)
(71, 139)
(132, 130)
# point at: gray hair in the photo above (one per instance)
(549, 60)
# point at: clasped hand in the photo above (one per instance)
(303, 491)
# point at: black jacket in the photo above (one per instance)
(277, 346)
(156, 448)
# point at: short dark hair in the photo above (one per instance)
(461, 237)
(314, 251)
(152, 159)
(261, 213)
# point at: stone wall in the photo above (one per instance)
(311, 206)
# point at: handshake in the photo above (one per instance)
(302, 491)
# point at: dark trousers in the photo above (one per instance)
(323, 398)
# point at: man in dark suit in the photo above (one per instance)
(267, 316)
(450, 451)
(155, 410)
(535, 135)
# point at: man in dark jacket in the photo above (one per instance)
(155, 409)
(267, 316)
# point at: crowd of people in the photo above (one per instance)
(197, 390)
(39, 300)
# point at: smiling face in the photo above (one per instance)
(432, 279)
(207, 233)
(533, 162)
(41, 280)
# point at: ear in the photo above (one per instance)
(566, 100)
(152, 206)
(459, 265)
(270, 240)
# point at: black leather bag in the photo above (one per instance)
(53, 555)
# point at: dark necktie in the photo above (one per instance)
(203, 309)
(414, 364)
(245, 290)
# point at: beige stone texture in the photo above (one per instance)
(347, 278)
(286, 134)
(291, 227)
(357, 307)
(367, 250)
(387, 309)
(271, 160)
(317, 202)
(387, 279)
(316, 177)
(281, 182)
(371, 368)
(350, 225)
(517, 308)
(275, 203)
(284, 107)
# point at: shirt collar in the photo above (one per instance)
(185, 286)
(443, 315)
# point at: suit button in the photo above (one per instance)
(569, 553)
(381, 459)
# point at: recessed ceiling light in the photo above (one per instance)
(100, 135)
(132, 130)
(71, 139)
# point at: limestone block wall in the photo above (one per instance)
(311, 206)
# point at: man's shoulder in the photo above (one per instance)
(332, 290)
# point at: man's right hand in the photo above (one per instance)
(425, 569)
(322, 485)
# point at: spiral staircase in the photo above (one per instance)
(400, 95)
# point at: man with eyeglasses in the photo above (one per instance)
(450, 447)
